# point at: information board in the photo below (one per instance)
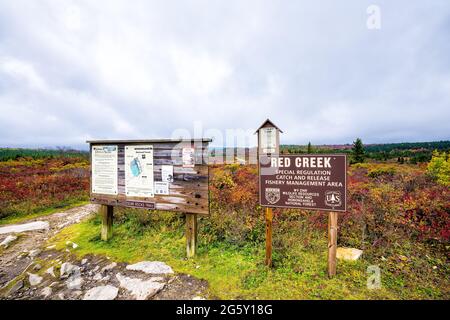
(161, 174)
(313, 182)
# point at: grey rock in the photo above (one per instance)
(5, 243)
(51, 271)
(140, 289)
(17, 228)
(74, 282)
(151, 267)
(73, 272)
(67, 269)
(37, 267)
(101, 293)
(84, 261)
(46, 292)
(349, 254)
(34, 279)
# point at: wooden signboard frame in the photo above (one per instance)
(185, 192)
(332, 214)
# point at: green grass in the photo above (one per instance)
(235, 272)
(24, 216)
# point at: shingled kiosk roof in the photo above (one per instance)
(268, 122)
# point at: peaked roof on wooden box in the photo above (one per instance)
(270, 123)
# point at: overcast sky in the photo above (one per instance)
(77, 70)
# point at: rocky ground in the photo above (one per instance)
(29, 270)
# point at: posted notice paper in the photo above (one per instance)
(139, 171)
(104, 169)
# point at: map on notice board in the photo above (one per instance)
(139, 171)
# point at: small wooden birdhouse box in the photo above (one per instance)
(268, 138)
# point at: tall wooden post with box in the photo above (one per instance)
(304, 181)
(162, 174)
(268, 145)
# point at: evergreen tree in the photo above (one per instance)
(310, 150)
(358, 151)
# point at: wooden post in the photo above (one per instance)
(107, 221)
(191, 234)
(269, 217)
(332, 243)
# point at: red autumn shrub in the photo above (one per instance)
(28, 185)
(386, 202)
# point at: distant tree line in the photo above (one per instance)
(412, 152)
(407, 152)
(298, 149)
(17, 153)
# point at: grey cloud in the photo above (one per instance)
(73, 70)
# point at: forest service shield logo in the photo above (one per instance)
(333, 198)
(272, 195)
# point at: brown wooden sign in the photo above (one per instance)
(312, 182)
(151, 174)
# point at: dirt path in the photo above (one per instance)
(28, 270)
